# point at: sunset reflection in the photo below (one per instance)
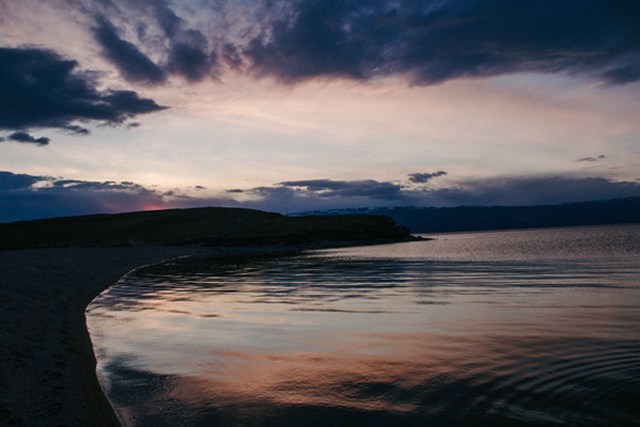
(350, 337)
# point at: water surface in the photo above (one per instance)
(517, 327)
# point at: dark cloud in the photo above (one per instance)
(428, 42)
(315, 43)
(79, 130)
(506, 191)
(170, 23)
(41, 89)
(188, 57)
(514, 191)
(232, 57)
(592, 159)
(11, 181)
(24, 197)
(134, 65)
(180, 50)
(625, 73)
(422, 178)
(318, 194)
(435, 41)
(30, 197)
(24, 137)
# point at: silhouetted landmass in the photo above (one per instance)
(199, 226)
(476, 218)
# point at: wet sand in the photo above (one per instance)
(47, 365)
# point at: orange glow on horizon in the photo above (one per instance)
(153, 207)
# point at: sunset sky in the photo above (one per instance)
(122, 105)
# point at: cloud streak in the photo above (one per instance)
(134, 65)
(592, 159)
(183, 51)
(423, 178)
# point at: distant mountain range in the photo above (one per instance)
(475, 218)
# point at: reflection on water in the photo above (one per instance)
(526, 327)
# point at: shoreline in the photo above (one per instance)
(47, 364)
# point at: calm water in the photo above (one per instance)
(534, 327)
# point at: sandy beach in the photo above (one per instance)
(47, 365)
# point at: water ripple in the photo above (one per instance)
(520, 328)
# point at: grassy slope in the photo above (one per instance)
(200, 226)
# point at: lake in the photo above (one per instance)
(524, 327)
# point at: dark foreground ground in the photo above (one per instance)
(47, 366)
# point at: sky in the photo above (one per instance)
(289, 106)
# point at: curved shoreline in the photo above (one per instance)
(47, 364)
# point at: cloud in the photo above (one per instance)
(25, 196)
(422, 178)
(427, 42)
(180, 50)
(438, 41)
(170, 23)
(41, 89)
(536, 190)
(134, 65)
(26, 138)
(346, 189)
(506, 191)
(188, 57)
(312, 44)
(11, 181)
(592, 159)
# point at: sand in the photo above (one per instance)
(47, 365)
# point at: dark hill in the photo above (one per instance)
(200, 226)
(476, 218)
